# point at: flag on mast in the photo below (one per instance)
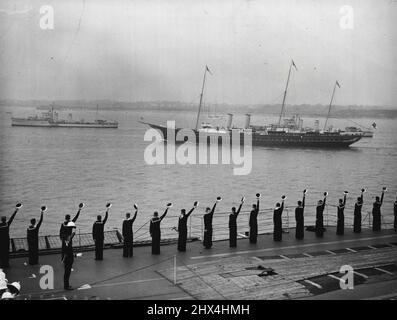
(337, 83)
(208, 70)
(293, 63)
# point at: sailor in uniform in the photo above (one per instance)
(253, 220)
(340, 223)
(233, 225)
(320, 217)
(357, 212)
(277, 220)
(33, 238)
(376, 214)
(299, 218)
(68, 255)
(64, 230)
(208, 216)
(5, 238)
(128, 233)
(155, 230)
(98, 233)
(182, 227)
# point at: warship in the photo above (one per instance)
(50, 119)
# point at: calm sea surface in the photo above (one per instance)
(62, 167)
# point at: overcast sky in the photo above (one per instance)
(157, 50)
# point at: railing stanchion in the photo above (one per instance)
(327, 224)
(175, 270)
(202, 228)
(287, 218)
(190, 227)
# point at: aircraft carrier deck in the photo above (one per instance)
(305, 269)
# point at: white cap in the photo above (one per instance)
(3, 284)
(3, 280)
(71, 224)
(7, 295)
(16, 285)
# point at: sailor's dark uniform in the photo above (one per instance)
(357, 215)
(155, 232)
(233, 227)
(182, 230)
(395, 215)
(64, 231)
(99, 237)
(376, 214)
(320, 219)
(5, 241)
(128, 236)
(278, 223)
(300, 220)
(68, 259)
(253, 223)
(340, 224)
(33, 241)
(208, 228)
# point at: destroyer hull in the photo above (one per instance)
(290, 140)
(43, 123)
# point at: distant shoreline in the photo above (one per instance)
(318, 110)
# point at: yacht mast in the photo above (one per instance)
(330, 104)
(285, 91)
(201, 96)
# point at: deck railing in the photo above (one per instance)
(220, 227)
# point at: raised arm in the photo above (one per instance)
(213, 209)
(381, 198)
(323, 205)
(41, 220)
(77, 215)
(344, 200)
(239, 208)
(257, 206)
(12, 217)
(303, 200)
(164, 214)
(282, 206)
(106, 216)
(362, 197)
(133, 219)
(190, 212)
